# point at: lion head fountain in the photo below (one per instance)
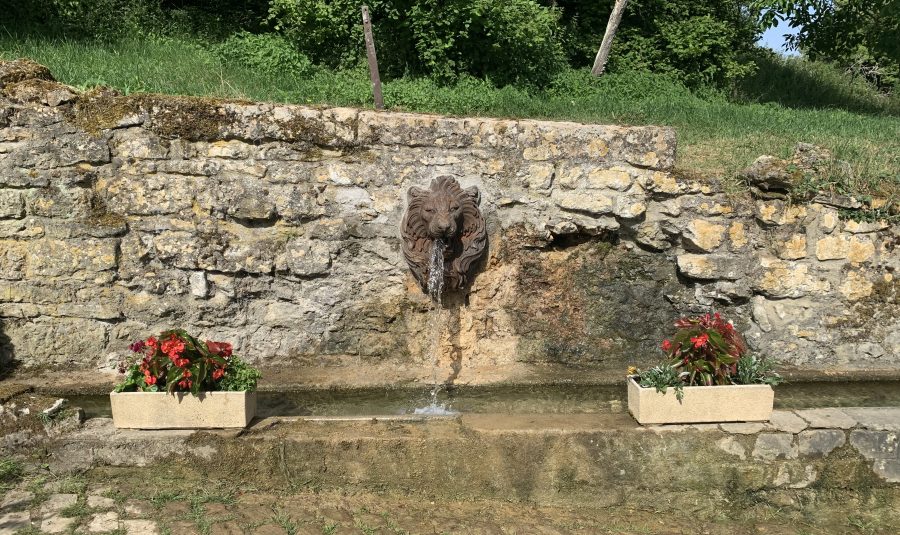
(449, 214)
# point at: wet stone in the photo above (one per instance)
(771, 446)
(820, 441)
(876, 444)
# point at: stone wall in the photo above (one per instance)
(277, 227)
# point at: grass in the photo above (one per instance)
(717, 136)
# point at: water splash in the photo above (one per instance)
(436, 322)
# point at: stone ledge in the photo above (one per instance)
(537, 449)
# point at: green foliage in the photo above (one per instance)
(752, 370)
(706, 350)
(800, 83)
(860, 34)
(662, 377)
(239, 376)
(701, 43)
(177, 361)
(10, 471)
(507, 42)
(269, 53)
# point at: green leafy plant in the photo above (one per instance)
(705, 351)
(178, 362)
(269, 53)
(662, 377)
(753, 370)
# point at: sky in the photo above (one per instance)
(774, 38)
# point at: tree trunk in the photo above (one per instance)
(611, 27)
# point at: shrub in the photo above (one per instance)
(515, 41)
(178, 362)
(268, 52)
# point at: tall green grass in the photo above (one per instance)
(717, 136)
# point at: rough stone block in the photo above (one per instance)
(12, 259)
(16, 499)
(827, 418)
(840, 246)
(12, 206)
(787, 421)
(140, 527)
(11, 523)
(820, 441)
(876, 444)
(703, 236)
(711, 266)
(305, 258)
(770, 446)
(877, 418)
(81, 259)
(103, 522)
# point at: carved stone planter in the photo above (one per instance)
(701, 404)
(160, 410)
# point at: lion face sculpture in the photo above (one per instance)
(447, 212)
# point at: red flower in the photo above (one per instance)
(666, 345)
(173, 347)
(217, 374)
(181, 362)
(137, 347)
(152, 344)
(700, 341)
(149, 378)
(185, 383)
(222, 349)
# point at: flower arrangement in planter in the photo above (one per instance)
(181, 382)
(710, 374)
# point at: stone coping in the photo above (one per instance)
(796, 449)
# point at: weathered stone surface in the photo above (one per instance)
(140, 527)
(277, 227)
(712, 266)
(12, 205)
(787, 421)
(16, 499)
(703, 236)
(876, 444)
(11, 523)
(877, 418)
(733, 446)
(825, 418)
(743, 428)
(838, 247)
(103, 522)
(771, 446)
(820, 441)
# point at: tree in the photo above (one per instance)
(860, 34)
(611, 28)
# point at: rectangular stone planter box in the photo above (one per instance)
(160, 410)
(701, 404)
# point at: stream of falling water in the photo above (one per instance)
(435, 326)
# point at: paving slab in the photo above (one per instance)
(880, 418)
(787, 421)
(16, 499)
(10, 523)
(830, 418)
(140, 527)
(103, 522)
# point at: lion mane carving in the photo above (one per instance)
(448, 212)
